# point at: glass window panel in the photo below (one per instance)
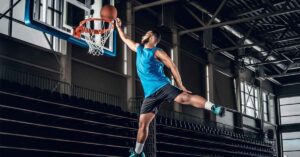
(290, 120)
(256, 103)
(242, 99)
(290, 100)
(4, 5)
(250, 104)
(246, 97)
(58, 4)
(291, 154)
(290, 110)
(289, 145)
(49, 16)
(248, 88)
(291, 135)
(264, 95)
(266, 118)
(272, 109)
(251, 100)
(50, 3)
(250, 112)
(29, 35)
(265, 107)
(242, 86)
(19, 11)
(4, 23)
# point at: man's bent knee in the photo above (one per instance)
(183, 98)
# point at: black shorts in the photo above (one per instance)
(165, 93)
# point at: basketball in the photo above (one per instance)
(109, 12)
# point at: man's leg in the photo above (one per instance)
(199, 102)
(144, 122)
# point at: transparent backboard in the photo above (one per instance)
(60, 17)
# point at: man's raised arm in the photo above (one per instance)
(163, 57)
(131, 44)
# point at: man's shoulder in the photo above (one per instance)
(139, 47)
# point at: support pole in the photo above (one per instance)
(176, 59)
(131, 83)
(238, 118)
(66, 67)
(207, 44)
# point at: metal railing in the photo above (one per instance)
(136, 103)
(42, 82)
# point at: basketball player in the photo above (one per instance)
(150, 61)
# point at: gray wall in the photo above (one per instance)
(26, 57)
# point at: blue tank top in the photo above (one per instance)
(150, 70)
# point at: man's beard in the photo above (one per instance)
(145, 41)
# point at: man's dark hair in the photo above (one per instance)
(156, 34)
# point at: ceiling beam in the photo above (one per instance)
(286, 39)
(259, 8)
(281, 12)
(236, 47)
(283, 75)
(217, 12)
(229, 39)
(148, 5)
(200, 8)
(194, 16)
(291, 84)
(136, 2)
(272, 62)
(285, 47)
(289, 27)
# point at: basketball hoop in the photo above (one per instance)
(95, 38)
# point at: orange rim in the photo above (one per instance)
(82, 29)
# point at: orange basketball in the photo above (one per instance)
(109, 12)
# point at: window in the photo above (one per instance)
(265, 102)
(20, 31)
(249, 98)
(290, 114)
(125, 60)
(207, 82)
(290, 110)
(291, 147)
(172, 58)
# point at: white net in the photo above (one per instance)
(96, 42)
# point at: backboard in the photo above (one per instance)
(60, 17)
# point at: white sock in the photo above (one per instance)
(139, 147)
(208, 105)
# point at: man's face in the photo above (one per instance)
(147, 37)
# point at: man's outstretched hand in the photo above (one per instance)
(118, 22)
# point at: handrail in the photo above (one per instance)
(39, 81)
(137, 101)
(69, 106)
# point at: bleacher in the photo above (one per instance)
(186, 139)
(36, 122)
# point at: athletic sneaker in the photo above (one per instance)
(218, 110)
(134, 154)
